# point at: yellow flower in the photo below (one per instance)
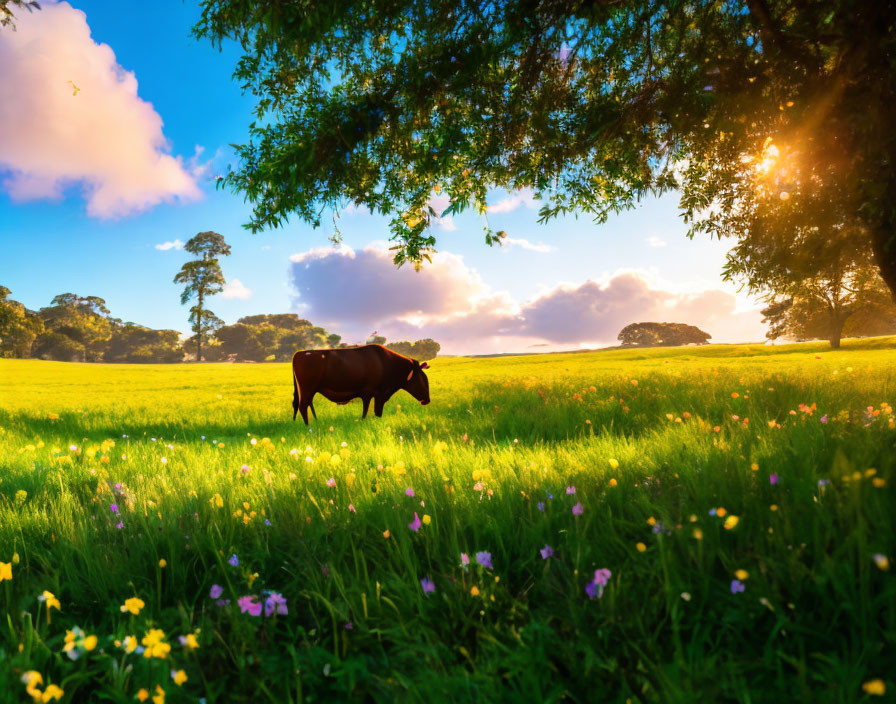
(427, 519)
(720, 512)
(53, 416)
(386, 534)
(741, 574)
(698, 534)
(875, 687)
(613, 482)
(879, 482)
(52, 692)
(651, 521)
(474, 591)
(130, 645)
(774, 507)
(189, 641)
(614, 463)
(5, 570)
(89, 643)
(163, 562)
(641, 547)
(155, 645)
(216, 500)
(179, 677)
(133, 605)
(252, 578)
(51, 601)
(32, 679)
(142, 695)
(160, 697)
(730, 522)
(882, 561)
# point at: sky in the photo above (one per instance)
(114, 125)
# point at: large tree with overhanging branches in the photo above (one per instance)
(594, 105)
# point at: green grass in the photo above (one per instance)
(816, 620)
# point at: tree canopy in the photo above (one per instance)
(662, 335)
(592, 105)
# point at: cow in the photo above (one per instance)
(366, 372)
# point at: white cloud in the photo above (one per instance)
(175, 244)
(524, 196)
(235, 289)
(354, 292)
(656, 242)
(70, 115)
(509, 242)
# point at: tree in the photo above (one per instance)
(592, 105)
(203, 278)
(84, 320)
(421, 349)
(18, 327)
(7, 19)
(662, 335)
(375, 339)
(137, 344)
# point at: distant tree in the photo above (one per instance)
(829, 309)
(137, 344)
(403, 347)
(375, 339)
(662, 335)
(421, 349)
(203, 278)
(83, 319)
(260, 338)
(7, 19)
(333, 340)
(59, 347)
(18, 327)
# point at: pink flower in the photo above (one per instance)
(772, 478)
(331, 482)
(595, 588)
(602, 576)
(409, 491)
(570, 490)
(216, 591)
(248, 604)
(578, 509)
(415, 524)
(464, 559)
(351, 507)
(244, 469)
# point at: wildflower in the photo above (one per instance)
(129, 644)
(737, 586)
(484, 559)
(5, 571)
(882, 561)
(142, 694)
(730, 522)
(613, 482)
(119, 525)
(570, 490)
(578, 509)
(163, 563)
(698, 534)
(409, 492)
(349, 625)
(164, 460)
(249, 604)
(651, 521)
(595, 588)
(275, 603)
(772, 479)
(113, 508)
(52, 601)
(189, 641)
(540, 505)
(720, 512)
(76, 642)
(641, 547)
(234, 560)
(464, 559)
(386, 534)
(31, 680)
(132, 605)
(875, 687)
(159, 696)
(427, 585)
(245, 469)
(741, 574)
(686, 596)
(155, 645)
(824, 418)
(474, 590)
(427, 519)
(179, 677)
(51, 693)
(546, 552)
(331, 482)
(614, 463)
(415, 524)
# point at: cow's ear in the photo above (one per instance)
(410, 375)
(424, 365)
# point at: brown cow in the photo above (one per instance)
(368, 372)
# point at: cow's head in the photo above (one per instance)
(416, 384)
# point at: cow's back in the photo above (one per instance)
(342, 370)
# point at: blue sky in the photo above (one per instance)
(73, 241)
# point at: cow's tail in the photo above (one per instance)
(295, 394)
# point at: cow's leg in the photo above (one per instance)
(366, 401)
(378, 404)
(304, 404)
(313, 412)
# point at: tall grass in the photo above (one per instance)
(662, 448)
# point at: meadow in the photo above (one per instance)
(623, 526)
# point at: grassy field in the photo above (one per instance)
(655, 525)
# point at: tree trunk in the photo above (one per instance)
(199, 329)
(883, 244)
(836, 329)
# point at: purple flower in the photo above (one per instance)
(331, 482)
(216, 591)
(349, 625)
(570, 490)
(234, 560)
(595, 588)
(578, 509)
(550, 496)
(540, 505)
(546, 552)
(772, 478)
(824, 482)
(409, 491)
(275, 603)
(484, 559)
(712, 512)
(824, 418)
(114, 508)
(602, 576)
(221, 603)
(415, 524)
(464, 559)
(427, 585)
(737, 586)
(249, 604)
(591, 589)
(119, 525)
